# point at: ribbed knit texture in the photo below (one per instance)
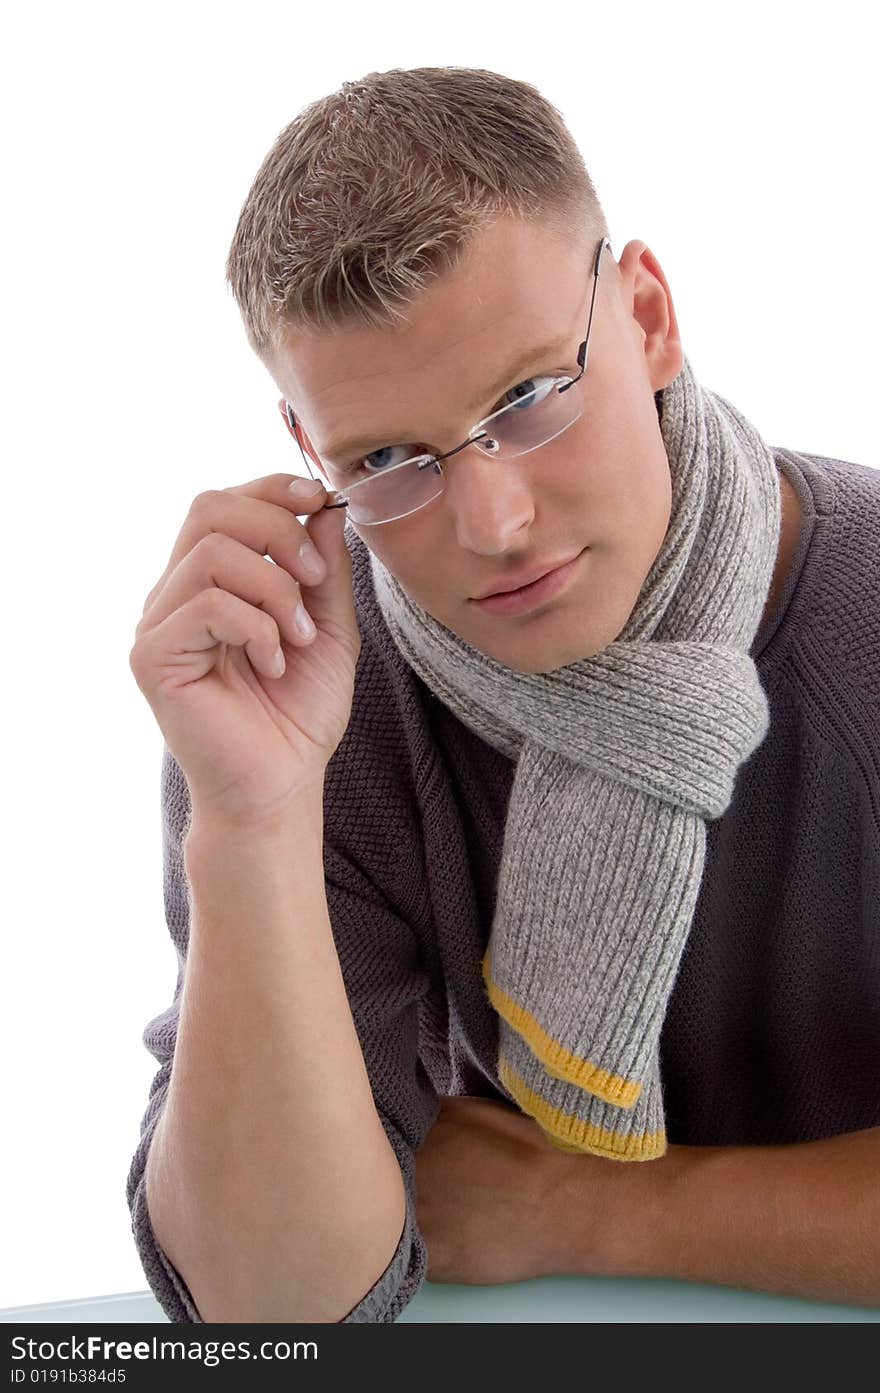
(621, 759)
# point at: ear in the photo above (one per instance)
(299, 434)
(648, 300)
(285, 416)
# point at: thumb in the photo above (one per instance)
(333, 598)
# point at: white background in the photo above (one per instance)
(740, 145)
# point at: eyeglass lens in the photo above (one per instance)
(534, 420)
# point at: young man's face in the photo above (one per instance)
(601, 490)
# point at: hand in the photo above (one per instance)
(247, 739)
(488, 1190)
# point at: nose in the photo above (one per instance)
(490, 500)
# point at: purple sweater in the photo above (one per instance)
(772, 1032)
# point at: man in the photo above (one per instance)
(644, 783)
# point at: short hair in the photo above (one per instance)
(374, 191)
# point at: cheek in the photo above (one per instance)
(635, 539)
(638, 500)
(626, 518)
(408, 566)
(657, 524)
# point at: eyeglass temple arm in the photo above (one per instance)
(292, 419)
(582, 351)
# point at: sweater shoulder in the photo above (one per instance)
(835, 605)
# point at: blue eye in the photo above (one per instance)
(533, 390)
(381, 456)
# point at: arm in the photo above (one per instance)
(800, 1219)
(497, 1202)
(270, 1182)
(380, 954)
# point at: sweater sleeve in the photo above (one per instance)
(385, 982)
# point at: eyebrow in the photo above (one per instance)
(347, 450)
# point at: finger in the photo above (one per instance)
(220, 562)
(271, 488)
(185, 646)
(267, 527)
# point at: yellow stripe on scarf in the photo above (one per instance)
(557, 1060)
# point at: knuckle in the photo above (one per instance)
(216, 599)
(213, 544)
(204, 500)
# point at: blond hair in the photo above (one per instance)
(374, 191)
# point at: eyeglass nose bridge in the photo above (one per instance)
(484, 442)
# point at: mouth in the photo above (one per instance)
(528, 580)
(526, 597)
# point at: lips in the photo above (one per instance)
(527, 578)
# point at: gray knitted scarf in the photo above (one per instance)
(620, 760)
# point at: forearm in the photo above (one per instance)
(802, 1220)
(271, 1184)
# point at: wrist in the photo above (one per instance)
(613, 1217)
(299, 828)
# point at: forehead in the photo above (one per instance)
(518, 283)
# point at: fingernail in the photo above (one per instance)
(305, 487)
(311, 558)
(303, 621)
